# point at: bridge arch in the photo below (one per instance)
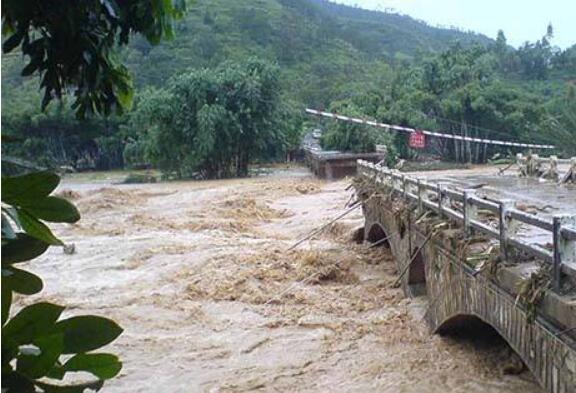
(464, 325)
(474, 328)
(377, 235)
(417, 273)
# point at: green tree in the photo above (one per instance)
(536, 58)
(560, 121)
(212, 123)
(71, 45)
(344, 136)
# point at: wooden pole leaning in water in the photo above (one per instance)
(399, 279)
(318, 230)
(502, 170)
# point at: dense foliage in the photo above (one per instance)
(352, 137)
(491, 92)
(57, 137)
(385, 66)
(211, 123)
(38, 347)
(324, 51)
(70, 45)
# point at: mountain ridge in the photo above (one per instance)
(316, 40)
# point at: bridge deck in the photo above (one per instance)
(543, 198)
(561, 199)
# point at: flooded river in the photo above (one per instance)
(199, 276)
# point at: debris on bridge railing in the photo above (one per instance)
(551, 173)
(529, 166)
(464, 207)
(570, 176)
(533, 165)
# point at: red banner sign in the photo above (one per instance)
(417, 140)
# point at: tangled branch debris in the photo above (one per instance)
(570, 176)
(532, 289)
(257, 277)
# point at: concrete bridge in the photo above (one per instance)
(474, 261)
(334, 164)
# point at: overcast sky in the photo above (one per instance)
(521, 20)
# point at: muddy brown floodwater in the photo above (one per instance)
(198, 276)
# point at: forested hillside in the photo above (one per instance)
(323, 49)
(386, 66)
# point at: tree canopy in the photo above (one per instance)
(352, 137)
(211, 123)
(391, 67)
(71, 45)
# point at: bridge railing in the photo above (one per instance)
(464, 206)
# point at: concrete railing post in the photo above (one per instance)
(384, 178)
(506, 228)
(470, 211)
(564, 249)
(404, 186)
(420, 191)
(441, 197)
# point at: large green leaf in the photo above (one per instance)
(21, 281)
(13, 40)
(17, 189)
(14, 382)
(38, 366)
(32, 321)
(86, 333)
(101, 365)
(52, 209)
(9, 352)
(23, 248)
(57, 372)
(37, 229)
(126, 96)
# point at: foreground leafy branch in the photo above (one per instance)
(71, 45)
(38, 347)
